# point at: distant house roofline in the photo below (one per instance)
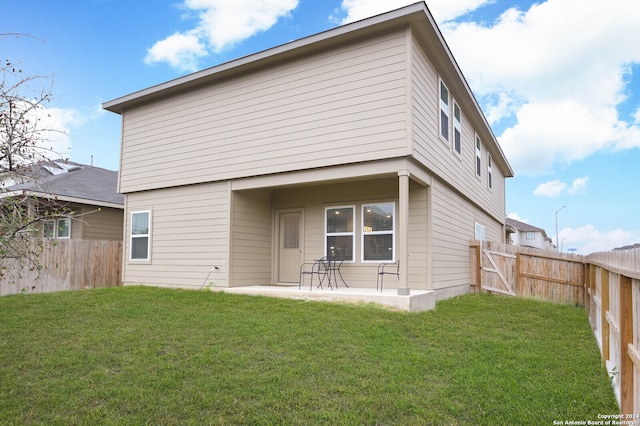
(71, 182)
(524, 227)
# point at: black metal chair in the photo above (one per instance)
(313, 268)
(387, 269)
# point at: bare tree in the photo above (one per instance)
(23, 146)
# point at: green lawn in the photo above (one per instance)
(139, 355)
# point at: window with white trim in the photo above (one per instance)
(480, 232)
(457, 128)
(489, 171)
(57, 228)
(531, 235)
(378, 232)
(478, 153)
(444, 111)
(340, 232)
(140, 235)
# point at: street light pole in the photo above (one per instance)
(557, 243)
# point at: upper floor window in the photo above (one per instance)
(444, 111)
(531, 235)
(457, 128)
(140, 235)
(489, 171)
(57, 228)
(340, 232)
(378, 232)
(478, 153)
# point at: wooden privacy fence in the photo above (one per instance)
(527, 272)
(607, 284)
(613, 304)
(67, 265)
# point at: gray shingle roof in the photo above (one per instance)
(525, 227)
(73, 180)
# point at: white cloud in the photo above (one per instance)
(551, 189)
(180, 51)
(54, 126)
(555, 188)
(579, 185)
(222, 24)
(587, 239)
(442, 10)
(559, 68)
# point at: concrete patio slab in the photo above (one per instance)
(416, 301)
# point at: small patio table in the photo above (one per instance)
(332, 268)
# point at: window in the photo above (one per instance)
(140, 235)
(489, 171)
(378, 232)
(340, 232)
(444, 111)
(478, 151)
(457, 128)
(531, 235)
(57, 228)
(480, 232)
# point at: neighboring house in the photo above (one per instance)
(90, 193)
(362, 142)
(628, 247)
(522, 234)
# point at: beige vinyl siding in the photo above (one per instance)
(189, 236)
(418, 239)
(453, 225)
(431, 150)
(252, 238)
(106, 224)
(96, 223)
(339, 106)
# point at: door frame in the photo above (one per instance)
(276, 239)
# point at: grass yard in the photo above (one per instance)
(138, 355)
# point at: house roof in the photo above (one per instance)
(628, 247)
(74, 182)
(417, 16)
(524, 227)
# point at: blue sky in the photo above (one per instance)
(559, 81)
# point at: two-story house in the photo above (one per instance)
(522, 234)
(363, 142)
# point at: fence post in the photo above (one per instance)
(605, 304)
(518, 287)
(479, 266)
(626, 338)
(585, 283)
(594, 292)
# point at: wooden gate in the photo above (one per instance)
(527, 272)
(498, 272)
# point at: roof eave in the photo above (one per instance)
(77, 200)
(394, 18)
